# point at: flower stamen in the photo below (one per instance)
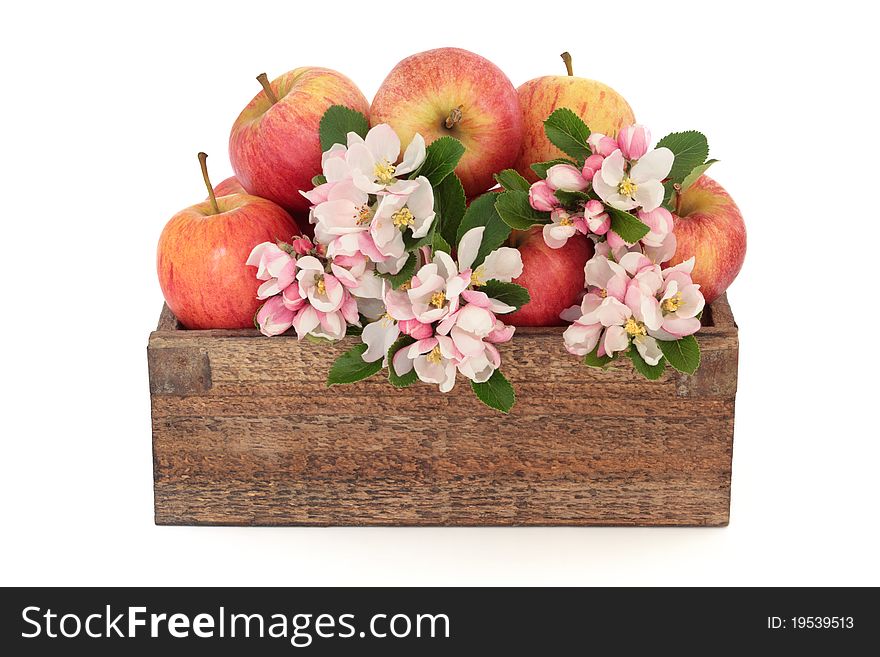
(364, 215)
(384, 171)
(635, 328)
(626, 187)
(434, 356)
(403, 218)
(673, 303)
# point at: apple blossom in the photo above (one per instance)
(601, 144)
(591, 165)
(275, 266)
(541, 197)
(659, 220)
(373, 160)
(626, 186)
(562, 226)
(633, 141)
(434, 360)
(503, 264)
(566, 177)
(273, 318)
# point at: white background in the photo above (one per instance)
(104, 108)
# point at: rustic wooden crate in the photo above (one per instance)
(245, 432)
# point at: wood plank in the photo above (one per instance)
(245, 432)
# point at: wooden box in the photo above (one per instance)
(245, 432)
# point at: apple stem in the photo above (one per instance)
(263, 79)
(677, 188)
(566, 57)
(455, 115)
(203, 161)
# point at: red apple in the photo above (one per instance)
(202, 254)
(601, 108)
(229, 186)
(449, 91)
(274, 145)
(553, 277)
(709, 226)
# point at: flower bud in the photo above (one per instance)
(633, 141)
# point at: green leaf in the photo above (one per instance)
(510, 179)
(509, 293)
(540, 168)
(513, 207)
(630, 229)
(690, 149)
(651, 372)
(495, 393)
(394, 378)
(695, 173)
(406, 272)
(320, 179)
(450, 204)
(351, 367)
(568, 133)
(594, 360)
(411, 243)
(683, 354)
(569, 199)
(441, 158)
(440, 244)
(669, 195)
(481, 212)
(337, 122)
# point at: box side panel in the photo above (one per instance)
(253, 437)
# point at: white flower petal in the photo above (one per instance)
(469, 246)
(612, 168)
(653, 165)
(502, 264)
(413, 156)
(383, 143)
(649, 195)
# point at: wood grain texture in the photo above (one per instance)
(245, 432)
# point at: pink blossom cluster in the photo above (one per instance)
(635, 302)
(366, 207)
(454, 326)
(625, 174)
(304, 290)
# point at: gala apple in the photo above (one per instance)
(274, 145)
(601, 108)
(202, 254)
(553, 277)
(709, 226)
(449, 91)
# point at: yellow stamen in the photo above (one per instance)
(403, 218)
(438, 299)
(477, 276)
(364, 215)
(319, 285)
(434, 356)
(627, 187)
(634, 327)
(673, 303)
(384, 172)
